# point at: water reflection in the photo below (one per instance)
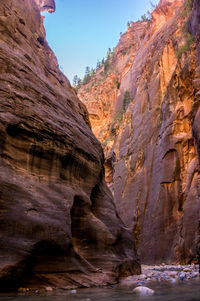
(185, 291)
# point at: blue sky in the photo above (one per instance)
(81, 31)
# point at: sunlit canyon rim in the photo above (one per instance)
(58, 221)
(144, 106)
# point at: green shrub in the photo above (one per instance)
(118, 85)
(187, 8)
(36, 35)
(124, 52)
(126, 100)
(144, 18)
(189, 39)
(86, 79)
(111, 138)
(119, 116)
(186, 46)
(181, 50)
(106, 65)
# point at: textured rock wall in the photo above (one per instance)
(58, 221)
(153, 149)
(195, 30)
(102, 95)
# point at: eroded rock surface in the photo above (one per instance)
(152, 141)
(58, 222)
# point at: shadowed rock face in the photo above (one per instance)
(153, 148)
(58, 222)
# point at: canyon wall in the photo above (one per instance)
(145, 111)
(58, 222)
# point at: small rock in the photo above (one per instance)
(73, 291)
(173, 280)
(195, 274)
(143, 291)
(157, 277)
(141, 283)
(182, 276)
(143, 276)
(48, 289)
(187, 270)
(131, 280)
(22, 290)
(173, 274)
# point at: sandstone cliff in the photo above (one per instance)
(149, 125)
(58, 221)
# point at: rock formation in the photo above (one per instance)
(46, 5)
(150, 130)
(58, 222)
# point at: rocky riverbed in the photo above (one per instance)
(158, 274)
(162, 273)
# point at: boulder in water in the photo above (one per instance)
(143, 290)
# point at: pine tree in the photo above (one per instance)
(153, 6)
(148, 15)
(86, 77)
(109, 53)
(75, 80)
(98, 65)
(87, 71)
(144, 18)
(79, 82)
(92, 72)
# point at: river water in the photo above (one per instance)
(183, 291)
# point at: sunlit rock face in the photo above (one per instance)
(195, 30)
(164, 11)
(152, 147)
(102, 93)
(58, 222)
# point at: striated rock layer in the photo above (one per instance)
(58, 221)
(152, 135)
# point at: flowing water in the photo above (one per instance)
(185, 291)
